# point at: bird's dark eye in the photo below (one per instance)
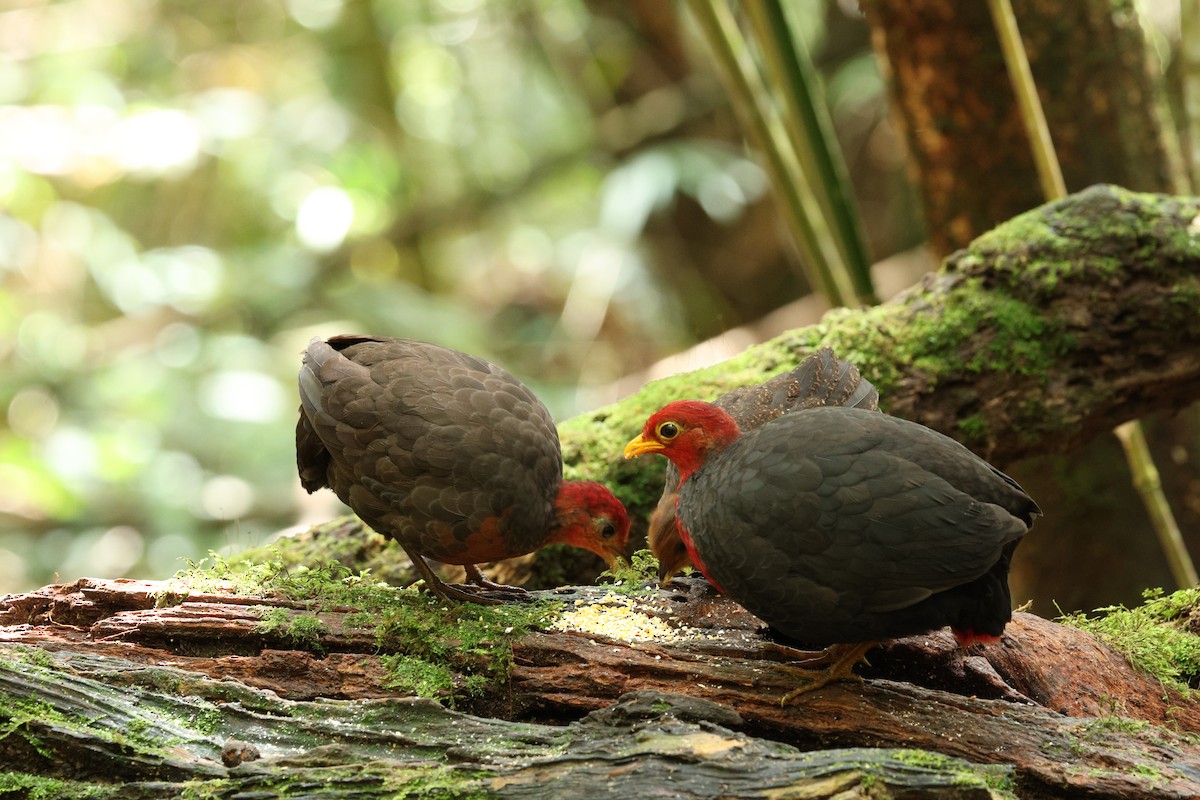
(667, 430)
(608, 531)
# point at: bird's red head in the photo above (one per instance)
(685, 431)
(591, 517)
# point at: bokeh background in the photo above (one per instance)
(190, 190)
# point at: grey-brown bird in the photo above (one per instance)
(446, 453)
(839, 526)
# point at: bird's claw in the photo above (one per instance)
(461, 593)
(842, 660)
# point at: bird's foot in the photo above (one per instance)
(461, 592)
(488, 588)
(451, 591)
(842, 659)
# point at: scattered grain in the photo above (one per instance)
(619, 617)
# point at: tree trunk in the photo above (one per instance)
(133, 689)
(954, 102)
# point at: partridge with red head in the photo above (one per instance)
(843, 526)
(448, 454)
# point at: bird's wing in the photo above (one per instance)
(819, 380)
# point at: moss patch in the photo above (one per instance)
(32, 787)
(304, 630)
(23, 717)
(452, 650)
(1155, 636)
(431, 649)
(346, 540)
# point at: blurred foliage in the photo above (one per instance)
(189, 191)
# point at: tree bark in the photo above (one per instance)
(103, 685)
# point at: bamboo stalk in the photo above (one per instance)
(811, 134)
(1149, 485)
(1189, 53)
(761, 123)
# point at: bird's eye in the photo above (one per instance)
(608, 531)
(667, 431)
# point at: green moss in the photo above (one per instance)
(442, 783)
(418, 677)
(35, 657)
(1151, 636)
(372, 778)
(207, 721)
(346, 540)
(307, 630)
(1182, 302)
(326, 584)
(19, 716)
(995, 779)
(15, 716)
(205, 789)
(1094, 729)
(973, 428)
(440, 650)
(32, 787)
(473, 643)
(359, 619)
(303, 630)
(1151, 774)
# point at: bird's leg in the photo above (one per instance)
(446, 591)
(476, 578)
(841, 659)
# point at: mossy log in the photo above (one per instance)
(130, 689)
(1055, 326)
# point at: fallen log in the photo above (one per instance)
(144, 685)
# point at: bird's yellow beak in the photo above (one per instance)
(640, 444)
(614, 557)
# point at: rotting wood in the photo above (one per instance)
(1050, 707)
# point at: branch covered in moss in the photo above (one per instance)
(1053, 327)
